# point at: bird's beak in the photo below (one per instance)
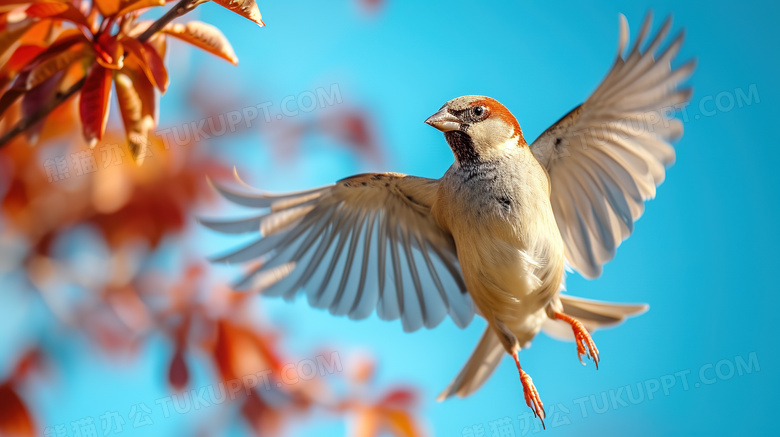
(444, 121)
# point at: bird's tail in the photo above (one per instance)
(592, 313)
(489, 351)
(478, 368)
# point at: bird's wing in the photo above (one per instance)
(368, 241)
(606, 157)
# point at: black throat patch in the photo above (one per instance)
(462, 146)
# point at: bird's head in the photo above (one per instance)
(477, 128)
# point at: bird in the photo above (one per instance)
(496, 234)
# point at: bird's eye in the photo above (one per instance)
(479, 110)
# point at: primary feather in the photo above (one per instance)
(606, 157)
(367, 242)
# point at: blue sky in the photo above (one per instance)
(703, 254)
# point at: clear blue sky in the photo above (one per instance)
(702, 256)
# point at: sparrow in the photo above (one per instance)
(495, 234)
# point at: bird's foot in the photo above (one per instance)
(529, 390)
(585, 345)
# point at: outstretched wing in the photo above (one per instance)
(606, 157)
(368, 241)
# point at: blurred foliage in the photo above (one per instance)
(63, 47)
(51, 193)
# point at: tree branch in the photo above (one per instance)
(178, 10)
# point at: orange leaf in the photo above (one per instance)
(15, 419)
(366, 423)
(246, 8)
(129, 101)
(55, 64)
(150, 61)
(239, 351)
(57, 10)
(363, 370)
(93, 103)
(109, 51)
(41, 33)
(64, 41)
(401, 423)
(19, 85)
(20, 57)
(92, 19)
(137, 105)
(128, 6)
(108, 8)
(46, 9)
(204, 36)
(67, 39)
(13, 32)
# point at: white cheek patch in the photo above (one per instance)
(490, 136)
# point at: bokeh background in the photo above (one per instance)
(703, 255)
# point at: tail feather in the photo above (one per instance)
(592, 313)
(489, 351)
(478, 368)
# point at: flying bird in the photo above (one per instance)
(494, 234)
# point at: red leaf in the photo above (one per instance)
(20, 57)
(263, 418)
(372, 5)
(93, 103)
(32, 360)
(57, 10)
(109, 52)
(150, 61)
(246, 8)
(399, 398)
(46, 9)
(178, 375)
(15, 419)
(37, 97)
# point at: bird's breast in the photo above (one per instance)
(508, 244)
(503, 199)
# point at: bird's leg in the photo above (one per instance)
(585, 345)
(529, 390)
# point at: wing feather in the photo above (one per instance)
(366, 243)
(364, 266)
(336, 306)
(607, 156)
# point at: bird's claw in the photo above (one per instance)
(532, 398)
(585, 344)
